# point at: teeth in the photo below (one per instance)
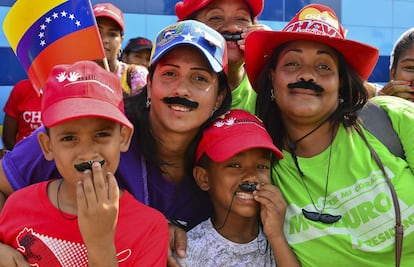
(244, 195)
(180, 108)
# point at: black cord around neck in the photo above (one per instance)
(292, 145)
(318, 216)
(64, 216)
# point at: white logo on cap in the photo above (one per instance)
(228, 122)
(73, 76)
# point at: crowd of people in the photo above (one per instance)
(245, 142)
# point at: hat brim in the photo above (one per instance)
(229, 146)
(260, 45)
(140, 49)
(76, 108)
(215, 65)
(184, 13)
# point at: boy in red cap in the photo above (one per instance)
(233, 164)
(84, 215)
(234, 19)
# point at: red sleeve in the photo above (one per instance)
(12, 104)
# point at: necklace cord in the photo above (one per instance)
(399, 229)
(258, 235)
(292, 148)
(292, 145)
(326, 179)
(227, 215)
(58, 205)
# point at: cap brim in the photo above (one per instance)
(141, 48)
(229, 146)
(76, 108)
(113, 18)
(165, 49)
(184, 13)
(260, 45)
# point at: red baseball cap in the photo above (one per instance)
(233, 133)
(82, 90)
(110, 11)
(186, 8)
(316, 23)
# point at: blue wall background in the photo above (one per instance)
(375, 22)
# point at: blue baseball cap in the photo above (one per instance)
(194, 33)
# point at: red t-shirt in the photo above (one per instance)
(30, 223)
(24, 106)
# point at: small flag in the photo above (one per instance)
(44, 33)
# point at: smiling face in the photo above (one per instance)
(230, 16)
(183, 76)
(222, 181)
(307, 61)
(404, 70)
(87, 139)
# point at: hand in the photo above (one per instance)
(398, 88)
(272, 210)
(249, 29)
(11, 257)
(98, 207)
(178, 244)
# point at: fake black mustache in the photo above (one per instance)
(180, 101)
(306, 85)
(87, 165)
(232, 36)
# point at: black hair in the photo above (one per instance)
(351, 90)
(402, 45)
(138, 114)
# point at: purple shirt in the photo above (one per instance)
(185, 202)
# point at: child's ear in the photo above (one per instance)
(45, 145)
(392, 73)
(126, 136)
(201, 178)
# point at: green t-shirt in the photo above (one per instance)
(244, 97)
(357, 190)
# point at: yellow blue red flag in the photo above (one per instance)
(44, 33)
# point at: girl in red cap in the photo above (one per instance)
(233, 164)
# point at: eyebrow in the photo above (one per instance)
(192, 68)
(319, 52)
(407, 60)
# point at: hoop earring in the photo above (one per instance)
(148, 103)
(272, 94)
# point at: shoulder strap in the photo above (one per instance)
(375, 119)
